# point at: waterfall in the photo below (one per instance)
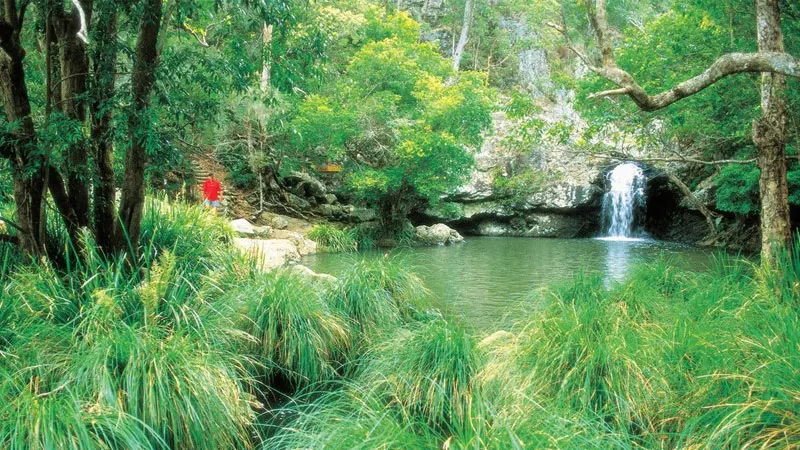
(625, 197)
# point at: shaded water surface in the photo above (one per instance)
(485, 278)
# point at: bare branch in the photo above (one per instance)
(686, 159)
(23, 6)
(10, 12)
(610, 93)
(10, 239)
(709, 215)
(725, 65)
(199, 36)
(12, 224)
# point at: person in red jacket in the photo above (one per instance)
(211, 192)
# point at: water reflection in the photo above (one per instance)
(485, 278)
(617, 260)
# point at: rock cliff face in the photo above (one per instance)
(566, 204)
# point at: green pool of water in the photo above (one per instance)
(484, 279)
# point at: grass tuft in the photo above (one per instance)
(333, 239)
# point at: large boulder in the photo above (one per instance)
(360, 215)
(321, 279)
(297, 202)
(439, 234)
(330, 211)
(276, 221)
(262, 231)
(305, 185)
(269, 253)
(243, 227)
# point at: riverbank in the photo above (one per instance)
(197, 347)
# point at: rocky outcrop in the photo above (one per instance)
(276, 221)
(282, 247)
(439, 234)
(566, 204)
(539, 225)
(304, 246)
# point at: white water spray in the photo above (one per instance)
(625, 196)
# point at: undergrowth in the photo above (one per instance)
(194, 347)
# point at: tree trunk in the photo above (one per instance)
(266, 58)
(29, 199)
(104, 76)
(464, 37)
(394, 208)
(26, 163)
(74, 64)
(142, 81)
(164, 28)
(769, 136)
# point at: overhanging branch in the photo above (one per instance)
(725, 65)
(716, 162)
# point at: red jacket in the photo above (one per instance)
(211, 190)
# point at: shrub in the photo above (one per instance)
(738, 189)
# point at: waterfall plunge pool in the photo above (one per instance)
(485, 279)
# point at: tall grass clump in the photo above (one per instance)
(347, 418)
(190, 396)
(189, 231)
(769, 414)
(299, 338)
(374, 293)
(427, 374)
(366, 236)
(780, 278)
(59, 420)
(332, 239)
(589, 353)
(115, 356)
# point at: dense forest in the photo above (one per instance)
(107, 96)
(130, 317)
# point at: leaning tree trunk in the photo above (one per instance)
(27, 164)
(104, 76)
(769, 136)
(266, 58)
(458, 52)
(142, 81)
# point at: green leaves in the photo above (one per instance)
(738, 189)
(400, 119)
